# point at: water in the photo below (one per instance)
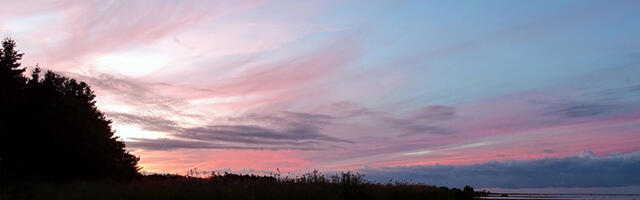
(565, 196)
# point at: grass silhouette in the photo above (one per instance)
(312, 185)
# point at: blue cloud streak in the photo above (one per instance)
(583, 170)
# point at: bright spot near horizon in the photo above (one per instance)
(131, 132)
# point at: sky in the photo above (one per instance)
(488, 93)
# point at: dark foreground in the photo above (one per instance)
(228, 186)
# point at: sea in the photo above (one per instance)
(564, 196)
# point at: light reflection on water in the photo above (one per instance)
(564, 196)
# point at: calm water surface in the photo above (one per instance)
(565, 196)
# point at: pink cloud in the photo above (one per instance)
(76, 29)
(252, 83)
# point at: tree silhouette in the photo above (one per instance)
(9, 60)
(50, 128)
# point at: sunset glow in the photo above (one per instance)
(299, 85)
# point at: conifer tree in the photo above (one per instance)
(9, 60)
(51, 129)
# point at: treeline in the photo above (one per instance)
(309, 186)
(51, 129)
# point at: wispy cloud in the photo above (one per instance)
(93, 27)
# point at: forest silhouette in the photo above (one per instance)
(51, 129)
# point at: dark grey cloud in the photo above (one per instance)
(583, 110)
(138, 94)
(284, 130)
(291, 118)
(257, 134)
(171, 144)
(309, 118)
(615, 92)
(413, 129)
(424, 121)
(347, 109)
(583, 170)
(165, 144)
(435, 112)
(548, 151)
(570, 111)
(287, 130)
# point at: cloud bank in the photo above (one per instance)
(287, 130)
(582, 170)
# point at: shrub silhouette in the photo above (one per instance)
(50, 128)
